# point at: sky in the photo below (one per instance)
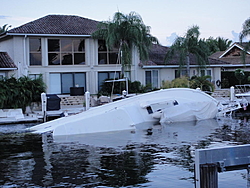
(167, 18)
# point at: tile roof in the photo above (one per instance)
(6, 61)
(231, 57)
(158, 52)
(58, 24)
(157, 55)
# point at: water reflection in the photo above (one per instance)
(115, 159)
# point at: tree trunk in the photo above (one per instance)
(188, 65)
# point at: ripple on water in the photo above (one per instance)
(116, 159)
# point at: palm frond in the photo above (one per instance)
(126, 32)
(245, 30)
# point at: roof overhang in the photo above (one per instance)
(46, 35)
(7, 69)
(163, 66)
(191, 66)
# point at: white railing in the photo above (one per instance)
(242, 88)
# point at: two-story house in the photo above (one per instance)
(60, 48)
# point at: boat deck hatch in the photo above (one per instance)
(149, 109)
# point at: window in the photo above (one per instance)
(202, 72)
(180, 73)
(102, 76)
(34, 76)
(60, 83)
(205, 73)
(35, 51)
(152, 78)
(66, 51)
(72, 80)
(127, 74)
(106, 56)
(67, 82)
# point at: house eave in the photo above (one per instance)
(163, 66)
(7, 69)
(192, 66)
(46, 35)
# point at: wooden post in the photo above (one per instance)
(208, 176)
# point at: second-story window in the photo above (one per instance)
(66, 51)
(35, 51)
(105, 55)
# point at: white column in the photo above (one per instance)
(44, 105)
(232, 93)
(87, 100)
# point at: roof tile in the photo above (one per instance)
(6, 61)
(58, 24)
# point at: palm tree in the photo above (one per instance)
(125, 32)
(4, 28)
(223, 44)
(202, 82)
(244, 34)
(183, 47)
(212, 45)
(218, 44)
(239, 74)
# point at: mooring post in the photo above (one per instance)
(209, 175)
(232, 93)
(44, 106)
(87, 99)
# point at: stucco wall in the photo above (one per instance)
(18, 49)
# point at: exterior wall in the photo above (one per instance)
(163, 74)
(135, 69)
(216, 76)
(140, 75)
(18, 49)
(7, 46)
(166, 73)
(91, 67)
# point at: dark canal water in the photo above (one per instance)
(159, 159)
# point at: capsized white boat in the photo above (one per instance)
(190, 110)
(175, 104)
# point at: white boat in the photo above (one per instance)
(170, 105)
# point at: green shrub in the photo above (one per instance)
(118, 87)
(181, 82)
(21, 92)
(202, 82)
(195, 82)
